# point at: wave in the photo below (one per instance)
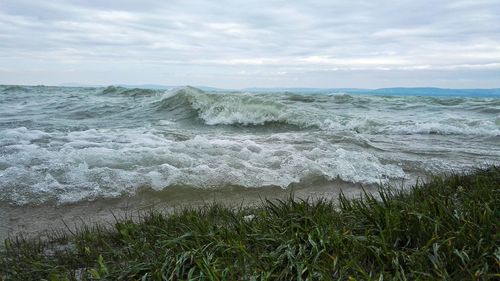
(300, 98)
(232, 109)
(434, 128)
(134, 92)
(38, 167)
(446, 127)
(14, 88)
(342, 98)
(447, 101)
(289, 111)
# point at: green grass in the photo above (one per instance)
(446, 229)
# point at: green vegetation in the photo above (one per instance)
(447, 229)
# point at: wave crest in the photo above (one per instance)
(134, 92)
(230, 109)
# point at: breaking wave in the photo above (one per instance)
(232, 109)
(37, 166)
(275, 110)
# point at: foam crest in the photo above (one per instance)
(233, 109)
(85, 165)
(409, 127)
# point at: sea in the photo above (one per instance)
(63, 145)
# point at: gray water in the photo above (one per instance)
(64, 144)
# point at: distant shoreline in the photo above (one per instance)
(404, 91)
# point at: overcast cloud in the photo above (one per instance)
(235, 44)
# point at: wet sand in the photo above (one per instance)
(33, 221)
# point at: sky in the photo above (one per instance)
(238, 44)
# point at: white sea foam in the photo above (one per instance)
(410, 127)
(107, 163)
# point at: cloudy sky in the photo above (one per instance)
(235, 44)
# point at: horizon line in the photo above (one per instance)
(159, 86)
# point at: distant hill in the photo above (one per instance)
(306, 90)
(404, 91)
(419, 91)
(428, 91)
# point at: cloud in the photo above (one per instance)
(193, 39)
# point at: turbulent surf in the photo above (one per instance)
(68, 144)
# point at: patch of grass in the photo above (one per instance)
(446, 229)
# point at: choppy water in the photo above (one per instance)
(61, 144)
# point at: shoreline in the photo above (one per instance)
(36, 220)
